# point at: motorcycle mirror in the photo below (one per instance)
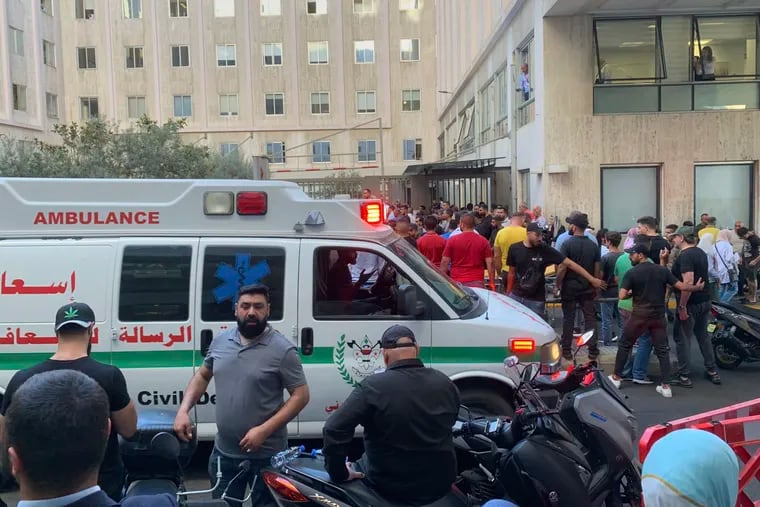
(530, 372)
(511, 362)
(165, 445)
(585, 338)
(464, 413)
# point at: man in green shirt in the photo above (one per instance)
(637, 365)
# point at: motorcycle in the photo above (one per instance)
(735, 335)
(155, 460)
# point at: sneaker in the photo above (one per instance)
(665, 391)
(683, 381)
(617, 383)
(713, 377)
(643, 381)
(614, 338)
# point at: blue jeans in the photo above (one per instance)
(728, 291)
(230, 468)
(637, 364)
(610, 316)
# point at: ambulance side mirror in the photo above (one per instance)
(408, 303)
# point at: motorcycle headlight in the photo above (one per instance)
(550, 357)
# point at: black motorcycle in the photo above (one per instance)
(735, 335)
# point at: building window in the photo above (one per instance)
(135, 58)
(408, 5)
(47, 7)
(86, 58)
(627, 194)
(365, 102)
(272, 53)
(51, 105)
(627, 49)
(228, 105)
(320, 103)
(276, 152)
(180, 56)
(724, 47)
(316, 6)
(136, 107)
(410, 50)
(410, 100)
(275, 104)
(48, 53)
(413, 149)
(725, 192)
(318, 53)
(224, 8)
(225, 55)
(364, 51)
(178, 8)
(16, 37)
(155, 283)
(88, 108)
(84, 9)
(320, 151)
(183, 106)
(271, 8)
(19, 97)
(132, 9)
(368, 151)
(364, 6)
(228, 149)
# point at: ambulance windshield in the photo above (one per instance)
(453, 293)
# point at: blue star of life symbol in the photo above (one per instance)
(234, 277)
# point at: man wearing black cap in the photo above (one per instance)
(646, 283)
(407, 413)
(73, 326)
(576, 290)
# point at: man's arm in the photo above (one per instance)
(125, 420)
(444, 267)
(491, 272)
(689, 287)
(624, 294)
(595, 282)
(597, 269)
(193, 392)
(688, 279)
(338, 432)
(497, 257)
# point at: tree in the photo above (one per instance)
(98, 149)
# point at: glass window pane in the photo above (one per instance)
(725, 192)
(627, 194)
(625, 99)
(676, 32)
(676, 98)
(732, 41)
(626, 49)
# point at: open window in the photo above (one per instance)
(628, 50)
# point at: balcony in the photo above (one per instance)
(677, 97)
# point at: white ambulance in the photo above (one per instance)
(160, 262)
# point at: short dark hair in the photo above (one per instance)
(500, 206)
(253, 289)
(672, 226)
(650, 222)
(430, 223)
(468, 220)
(742, 231)
(690, 238)
(57, 423)
(614, 238)
(688, 223)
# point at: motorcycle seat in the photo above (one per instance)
(364, 495)
(741, 309)
(551, 381)
(151, 487)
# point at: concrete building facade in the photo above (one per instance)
(644, 108)
(310, 83)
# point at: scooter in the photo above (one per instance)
(735, 335)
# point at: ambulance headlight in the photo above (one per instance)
(218, 203)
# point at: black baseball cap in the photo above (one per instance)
(638, 248)
(533, 227)
(394, 333)
(577, 218)
(79, 314)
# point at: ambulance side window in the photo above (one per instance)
(227, 268)
(155, 284)
(351, 282)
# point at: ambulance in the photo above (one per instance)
(161, 261)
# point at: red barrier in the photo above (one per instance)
(737, 425)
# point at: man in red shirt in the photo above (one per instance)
(468, 253)
(431, 244)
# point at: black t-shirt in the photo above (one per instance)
(586, 253)
(411, 240)
(608, 274)
(752, 247)
(655, 244)
(648, 282)
(110, 379)
(529, 265)
(693, 260)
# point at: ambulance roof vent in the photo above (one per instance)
(314, 218)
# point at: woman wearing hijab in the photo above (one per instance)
(707, 245)
(728, 267)
(690, 468)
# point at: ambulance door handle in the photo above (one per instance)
(307, 341)
(206, 336)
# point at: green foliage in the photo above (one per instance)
(98, 149)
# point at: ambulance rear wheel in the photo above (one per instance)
(486, 402)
